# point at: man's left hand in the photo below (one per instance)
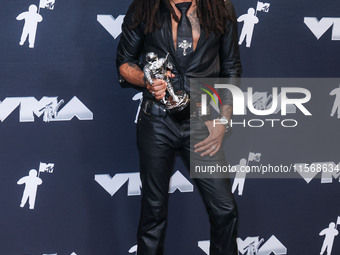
(211, 144)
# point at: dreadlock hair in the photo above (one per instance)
(212, 14)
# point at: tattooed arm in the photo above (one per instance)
(132, 73)
(128, 52)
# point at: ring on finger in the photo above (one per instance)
(213, 147)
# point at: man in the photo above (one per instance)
(210, 50)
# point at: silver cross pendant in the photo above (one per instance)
(184, 45)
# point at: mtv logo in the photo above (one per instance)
(252, 246)
(46, 167)
(48, 4)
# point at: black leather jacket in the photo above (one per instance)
(215, 56)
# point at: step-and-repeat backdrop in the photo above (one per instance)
(69, 173)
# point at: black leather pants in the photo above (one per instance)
(158, 138)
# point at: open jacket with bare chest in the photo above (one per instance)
(216, 55)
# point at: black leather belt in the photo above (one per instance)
(157, 109)
(152, 108)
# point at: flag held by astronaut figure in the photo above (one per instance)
(338, 221)
(47, 4)
(48, 168)
(262, 7)
(254, 157)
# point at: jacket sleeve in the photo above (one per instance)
(230, 57)
(130, 44)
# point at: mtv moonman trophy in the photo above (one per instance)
(157, 68)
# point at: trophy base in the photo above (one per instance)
(179, 109)
(177, 105)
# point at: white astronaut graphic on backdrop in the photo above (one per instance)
(249, 20)
(240, 177)
(32, 181)
(241, 173)
(32, 17)
(336, 106)
(138, 97)
(133, 249)
(329, 233)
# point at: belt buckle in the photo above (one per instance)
(154, 109)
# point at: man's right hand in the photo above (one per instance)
(133, 74)
(157, 89)
(159, 86)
